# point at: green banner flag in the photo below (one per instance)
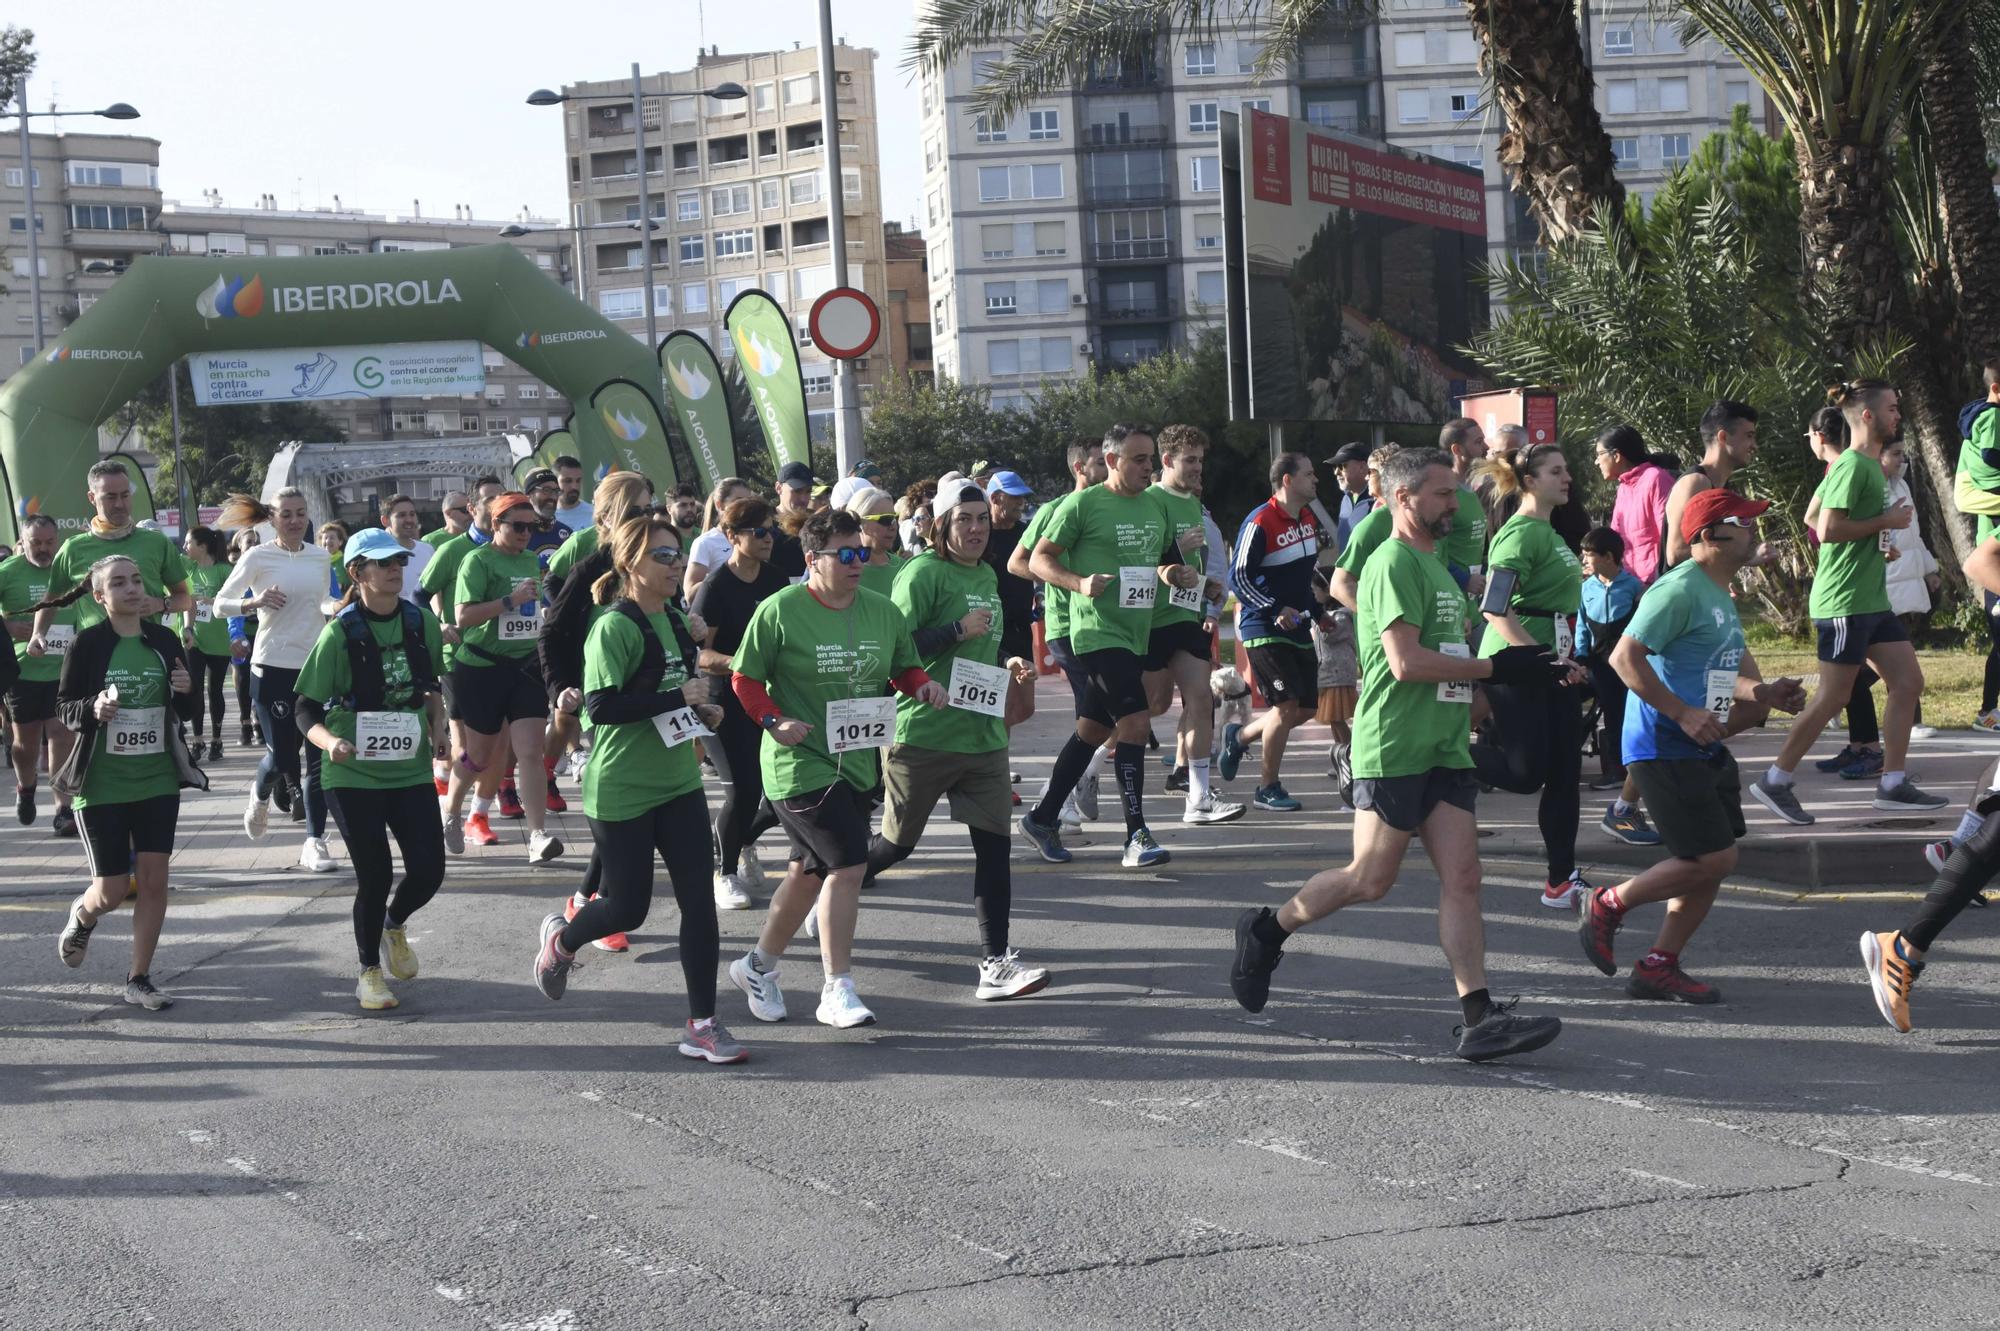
(628, 414)
(770, 361)
(699, 396)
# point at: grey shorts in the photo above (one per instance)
(1404, 802)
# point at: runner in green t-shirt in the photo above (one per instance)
(814, 669)
(1412, 772)
(204, 633)
(1464, 548)
(877, 511)
(31, 699)
(457, 519)
(1850, 608)
(111, 532)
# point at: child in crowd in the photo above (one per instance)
(1610, 595)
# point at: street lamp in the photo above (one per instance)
(726, 92)
(846, 397)
(515, 230)
(115, 111)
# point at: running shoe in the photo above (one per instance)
(1607, 781)
(1987, 721)
(1015, 797)
(729, 893)
(1923, 732)
(139, 992)
(1671, 984)
(1565, 895)
(74, 940)
(298, 805)
(64, 823)
(373, 992)
(402, 962)
(1500, 1033)
(1250, 973)
(1177, 779)
(752, 873)
(1232, 752)
(1867, 765)
(556, 803)
(256, 816)
(767, 1000)
(573, 903)
(1005, 977)
(1277, 799)
(1598, 927)
(711, 1040)
(1211, 810)
(1906, 795)
(1936, 853)
(479, 831)
(612, 943)
(1848, 753)
(1047, 840)
(314, 856)
(1085, 796)
(841, 1007)
(542, 847)
(1142, 852)
(1890, 976)
(281, 795)
(24, 805)
(1783, 801)
(215, 750)
(443, 786)
(551, 969)
(1071, 816)
(250, 739)
(510, 802)
(454, 835)
(1630, 827)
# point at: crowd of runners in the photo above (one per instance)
(831, 662)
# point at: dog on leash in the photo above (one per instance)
(1232, 704)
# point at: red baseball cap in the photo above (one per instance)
(1712, 506)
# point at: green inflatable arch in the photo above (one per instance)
(166, 308)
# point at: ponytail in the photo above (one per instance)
(1509, 475)
(83, 588)
(242, 510)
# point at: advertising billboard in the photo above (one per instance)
(288, 374)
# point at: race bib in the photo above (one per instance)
(136, 732)
(58, 638)
(1565, 637)
(1721, 693)
(1185, 598)
(1135, 586)
(1456, 690)
(1886, 539)
(979, 688)
(386, 737)
(204, 612)
(520, 625)
(678, 727)
(859, 723)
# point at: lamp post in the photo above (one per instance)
(727, 92)
(846, 403)
(515, 230)
(115, 111)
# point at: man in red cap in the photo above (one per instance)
(1693, 683)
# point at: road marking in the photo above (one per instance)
(1289, 1150)
(1662, 1178)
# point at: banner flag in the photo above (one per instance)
(770, 360)
(699, 396)
(630, 417)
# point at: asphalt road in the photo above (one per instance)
(1127, 1149)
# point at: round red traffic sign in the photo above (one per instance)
(844, 323)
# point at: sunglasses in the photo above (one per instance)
(666, 554)
(754, 533)
(883, 519)
(393, 561)
(852, 554)
(460, 509)
(525, 528)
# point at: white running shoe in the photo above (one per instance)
(840, 1006)
(314, 857)
(1211, 810)
(1071, 816)
(256, 816)
(767, 1000)
(1006, 977)
(811, 926)
(542, 848)
(752, 873)
(74, 940)
(729, 893)
(1085, 796)
(454, 836)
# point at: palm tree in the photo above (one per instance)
(1950, 122)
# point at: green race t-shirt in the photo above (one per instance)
(1403, 729)
(1124, 536)
(879, 574)
(1183, 514)
(572, 552)
(1852, 578)
(1055, 601)
(1375, 527)
(211, 631)
(22, 585)
(440, 579)
(934, 591)
(632, 769)
(1550, 578)
(1465, 544)
(328, 674)
(434, 539)
(160, 562)
(487, 574)
(807, 655)
(114, 778)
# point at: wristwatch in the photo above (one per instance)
(771, 721)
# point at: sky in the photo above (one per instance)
(386, 103)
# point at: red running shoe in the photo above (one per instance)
(443, 786)
(510, 802)
(556, 804)
(1670, 983)
(1597, 928)
(479, 832)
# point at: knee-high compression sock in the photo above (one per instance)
(992, 891)
(1131, 764)
(1070, 764)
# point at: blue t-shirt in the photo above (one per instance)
(1690, 629)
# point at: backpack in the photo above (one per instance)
(653, 663)
(364, 657)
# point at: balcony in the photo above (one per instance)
(1333, 66)
(1131, 76)
(1132, 251)
(1124, 136)
(1155, 309)
(1113, 193)
(1350, 122)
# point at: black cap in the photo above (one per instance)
(797, 475)
(539, 476)
(1352, 452)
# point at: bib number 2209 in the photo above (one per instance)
(859, 723)
(386, 737)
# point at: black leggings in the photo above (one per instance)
(208, 673)
(678, 831)
(1989, 692)
(992, 882)
(745, 814)
(1539, 747)
(245, 711)
(367, 819)
(1964, 876)
(276, 692)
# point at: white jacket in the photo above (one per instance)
(1907, 593)
(285, 637)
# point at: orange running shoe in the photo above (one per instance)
(478, 831)
(1890, 976)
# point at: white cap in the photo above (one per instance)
(953, 490)
(846, 488)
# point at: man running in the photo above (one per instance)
(457, 517)
(1006, 496)
(112, 532)
(1693, 684)
(1277, 549)
(31, 699)
(1850, 608)
(399, 519)
(1729, 435)
(1465, 548)
(571, 511)
(1412, 762)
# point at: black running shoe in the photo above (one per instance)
(24, 804)
(64, 823)
(1500, 1033)
(1177, 779)
(281, 795)
(1250, 976)
(297, 806)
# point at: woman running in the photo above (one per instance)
(285, 582)
(205, 633)
(642, 787)
(368, 697)
(724, 602)
(1534, 740)
(711, 548)
(877, 511)
(332, 538)
(129, 765)
(242, 642)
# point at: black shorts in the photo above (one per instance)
(1181, 636)
(1073, 671)
(487, 698)
(32, 700)
(1696, 803)
(1285, 673)
(1117, 685)
(828, 828)
(114, 833)
(1404, 802)
(1845, 641)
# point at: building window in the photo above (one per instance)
(1673, 94)
(728, 200)
(818, 379)
(805, 188)
(1037, 181)
(801, 89)
(1248, 52)
(1625, 153)
(729, 288)
(1737, 93)
(1465, 154)
(1413, 106)
(766, 96)
(984, 63)
(532, 424)
(533, 392)
(1208, 231)
(1618, 41)
(468, 425)
(1051, 295)
(625, 303)
(1208, 287)
(129, 175)
(1673, 150)
(14, 177)
(1410, 50)
(736, 244)
(1044, 124)
(692, 248)
(984, 131)
(694, 298)
(19, 222)
(107, 217)
(770, 195)
(1256, 103)
(850, 183)
(1202, 118)
(1200, 58)
(1465, 104)
(1621, 97)
(1205, 174)
(1000, 299)
(687, 207)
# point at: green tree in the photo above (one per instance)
(17, 61)
(227, 449)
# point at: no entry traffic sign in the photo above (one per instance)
(844, 323)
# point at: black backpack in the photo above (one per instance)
(653, 664)
(364, 657)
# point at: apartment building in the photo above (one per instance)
(736, 190)
(906, 319)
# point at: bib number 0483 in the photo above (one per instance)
(859, 723)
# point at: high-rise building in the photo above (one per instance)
(906, 319)
(737, 191)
